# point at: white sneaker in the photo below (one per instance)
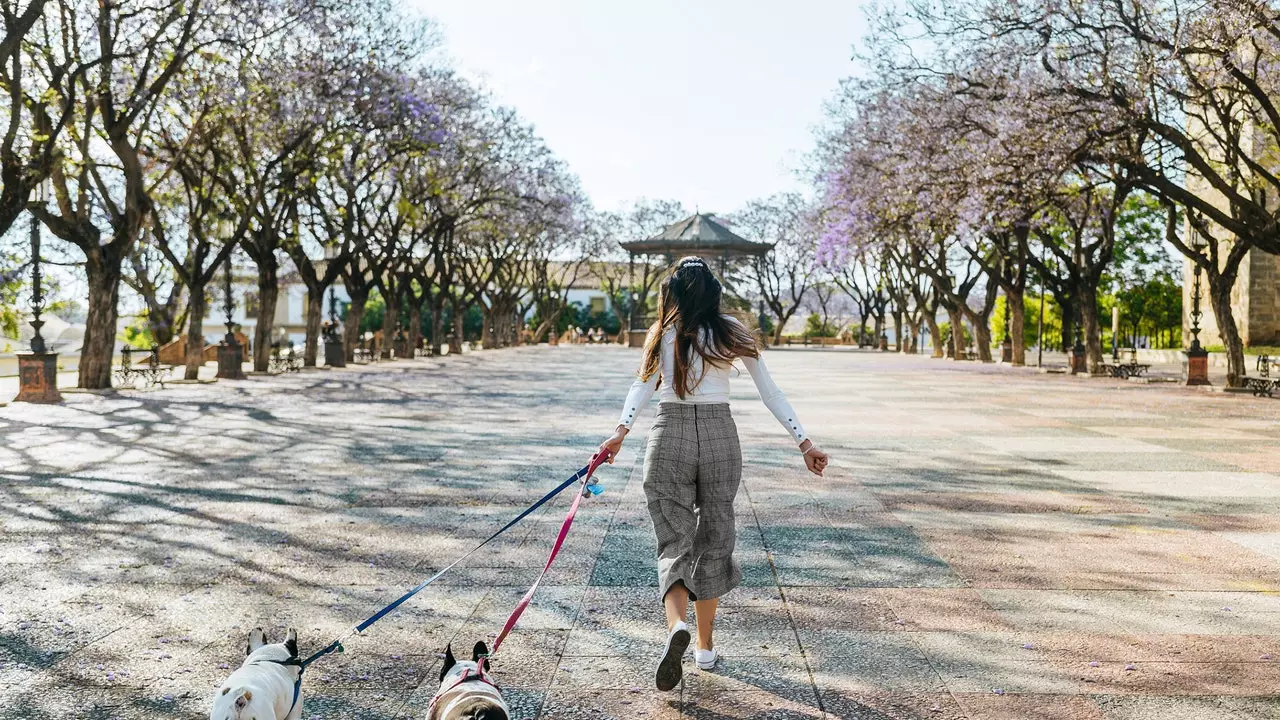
(706, 659)
(670, 668)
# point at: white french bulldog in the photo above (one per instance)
(465, 693)
(267, 686)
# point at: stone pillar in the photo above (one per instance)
(230, 361)
(1197, 366)
(38, 378)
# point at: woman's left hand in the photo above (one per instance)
(814, 459)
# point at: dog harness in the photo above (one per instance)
(297, 684)
(467, 676)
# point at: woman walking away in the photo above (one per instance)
(693, 464)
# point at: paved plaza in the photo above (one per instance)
(990, 543)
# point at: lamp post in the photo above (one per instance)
(1197, 356)
(1115, 333)
(1040, 326)
(230, 352)
(38, 369)
(635, 336)
(334, 353)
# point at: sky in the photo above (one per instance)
(709, 102)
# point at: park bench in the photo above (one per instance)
(152, 371)
(1133, 368)
(284, 358)
(366, 352)
(1264, 384)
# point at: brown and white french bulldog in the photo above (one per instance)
(465, 693)
(267, 686)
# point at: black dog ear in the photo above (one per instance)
(449, 661)
(479, 651)
(291, 643)
(257, 638)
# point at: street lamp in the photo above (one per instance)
(1197, 356)
(1115, 333)
(37, 370)
(230, 353)
(37, 290)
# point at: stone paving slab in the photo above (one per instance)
(1108, 551)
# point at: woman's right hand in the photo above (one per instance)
(814, 459)
(614, 444)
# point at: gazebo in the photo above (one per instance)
(699, 234)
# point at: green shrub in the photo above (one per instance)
(814, 327)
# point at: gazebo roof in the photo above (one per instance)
(698, 233)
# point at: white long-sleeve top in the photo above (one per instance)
(710, 384)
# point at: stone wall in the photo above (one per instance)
(1264, 300)
(1255, 302)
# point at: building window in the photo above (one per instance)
(597, 305)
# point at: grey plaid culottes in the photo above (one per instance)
(692, 469)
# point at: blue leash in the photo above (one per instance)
(336, 645)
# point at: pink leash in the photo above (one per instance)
(596, 461)
(481, 675)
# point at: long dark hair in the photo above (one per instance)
(689, 301)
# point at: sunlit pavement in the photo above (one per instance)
(989, 543)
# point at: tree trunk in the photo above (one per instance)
(1018, 320)
(1067, 307)
(1220, 299)
(100, 323)
(935, 332)
(161, 319)
(486, 325)
(355, 316)
(982, 336)
(390, 320)
(315, 311)
(897, 333)
(415, 321)
(459, 319)
(502, 327)
(777, 328)
(956, 316)
(1088, 298)
(437, 323)
(195, 332)
(268, 291)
